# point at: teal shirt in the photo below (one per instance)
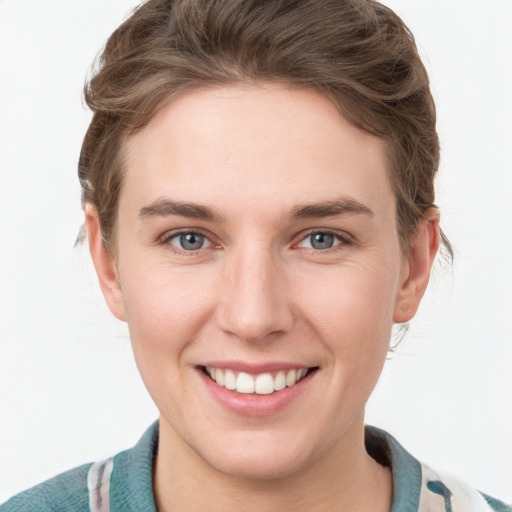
(416, 488)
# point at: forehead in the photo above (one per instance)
(254, 142)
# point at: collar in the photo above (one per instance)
(406, 470)
(131, 488)
(132, 476)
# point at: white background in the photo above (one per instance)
(69, 390)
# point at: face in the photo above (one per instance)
(259, 269)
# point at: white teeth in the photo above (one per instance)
(229, 380)
(280, 381)
(244, 383)
(219, 378)
(291, 378)
(262, 384)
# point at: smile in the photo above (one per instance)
(260, 384)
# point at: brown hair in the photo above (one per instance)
(358, 53)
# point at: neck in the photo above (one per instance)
(346, 478)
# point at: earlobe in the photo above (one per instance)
(104, 263)
(424, 247)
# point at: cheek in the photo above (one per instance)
(351, 314)
(166, 312)
(348, 311)
(352, 302)
(165, 307)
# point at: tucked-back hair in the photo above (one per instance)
(357, 53)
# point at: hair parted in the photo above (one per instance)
(357, 53)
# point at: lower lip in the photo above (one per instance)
(253, 404)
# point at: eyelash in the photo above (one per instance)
(342, 238)
(165, 240)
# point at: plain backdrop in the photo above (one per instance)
(69, 389)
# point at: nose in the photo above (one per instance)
(254, 305)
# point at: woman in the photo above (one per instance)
(258, 190)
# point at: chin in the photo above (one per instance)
(256, 467)
(260, 457)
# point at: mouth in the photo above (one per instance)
(266, 383)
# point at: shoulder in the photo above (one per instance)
(441, 491)
(62, 493)
(418, 488)
(123, 482)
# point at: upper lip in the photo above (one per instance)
(255, 368)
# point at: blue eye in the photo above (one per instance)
(189, 241)
(321, 241)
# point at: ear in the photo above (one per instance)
(417, 266)
(104, 263)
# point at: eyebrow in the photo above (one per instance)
(166, 207)
(330, 209)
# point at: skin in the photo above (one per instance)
(257, 292)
